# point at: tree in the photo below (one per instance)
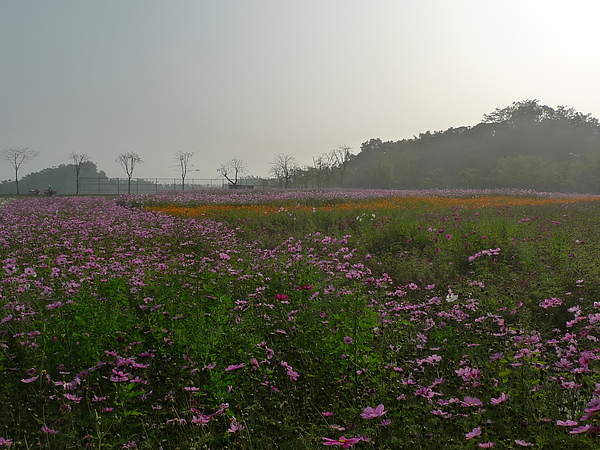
(183, 158)
(340, 157)
(284, 167)
(78, 160)
(16, 157)
(323, 167)
(128, 162)
(232, 170)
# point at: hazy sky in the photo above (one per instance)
(249, 79)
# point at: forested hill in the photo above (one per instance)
(525, 145)
(62, 179)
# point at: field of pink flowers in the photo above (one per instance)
(380, 327)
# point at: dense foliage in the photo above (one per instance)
(525, 145)
(268, 320)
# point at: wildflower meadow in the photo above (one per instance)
(301, 320)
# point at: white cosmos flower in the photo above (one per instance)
(451, 298)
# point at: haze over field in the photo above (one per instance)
(251, 79)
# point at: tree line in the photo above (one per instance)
(525, 145)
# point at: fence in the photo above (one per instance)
(117, 186)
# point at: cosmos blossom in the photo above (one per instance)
(343, 441)
(473, 433)
(471, 401)
(373, 413)
(503, 397)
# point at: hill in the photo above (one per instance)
(525, 145)
(62, 178)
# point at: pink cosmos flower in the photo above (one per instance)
(343, 441)
(471, 401)
(523, 443)
(201, 419)
(566, 423)
(473, 433)
(48, 430)
(373, 413)
(29, 380)
(235, 426)
(580, 430)
(486, 445)
(234, 367)
(73, 398)
(5, 442)
(503, 397)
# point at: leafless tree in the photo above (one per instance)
(78, 160)
(128, 161)
(323, 168)
(183, 158)
(233, 170)
(284, 167)
(340, 157)
(16, 157)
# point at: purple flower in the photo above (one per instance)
(551, 303)
(234, 367)
(566, 423)
(473, 433)
(48, 430)
(29, 380)
(201, 419)
(580, 430)
(503, 397)
(347, 340)
(73, 398)
(373, 413)
(523, 443)
(235, 426)
(471, 401)
(486, 445)
(5, 442)
(343, 441)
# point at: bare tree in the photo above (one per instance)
(323, 167)
(284, 167)
(232, 170)
(128, 162)
(16, 157)
(78, 160)
(340, 157)
(183, 158)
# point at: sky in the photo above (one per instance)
(251, 79)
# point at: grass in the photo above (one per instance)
(276, 323)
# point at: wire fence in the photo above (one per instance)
(117, 186)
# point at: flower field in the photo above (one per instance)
(260, 320)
